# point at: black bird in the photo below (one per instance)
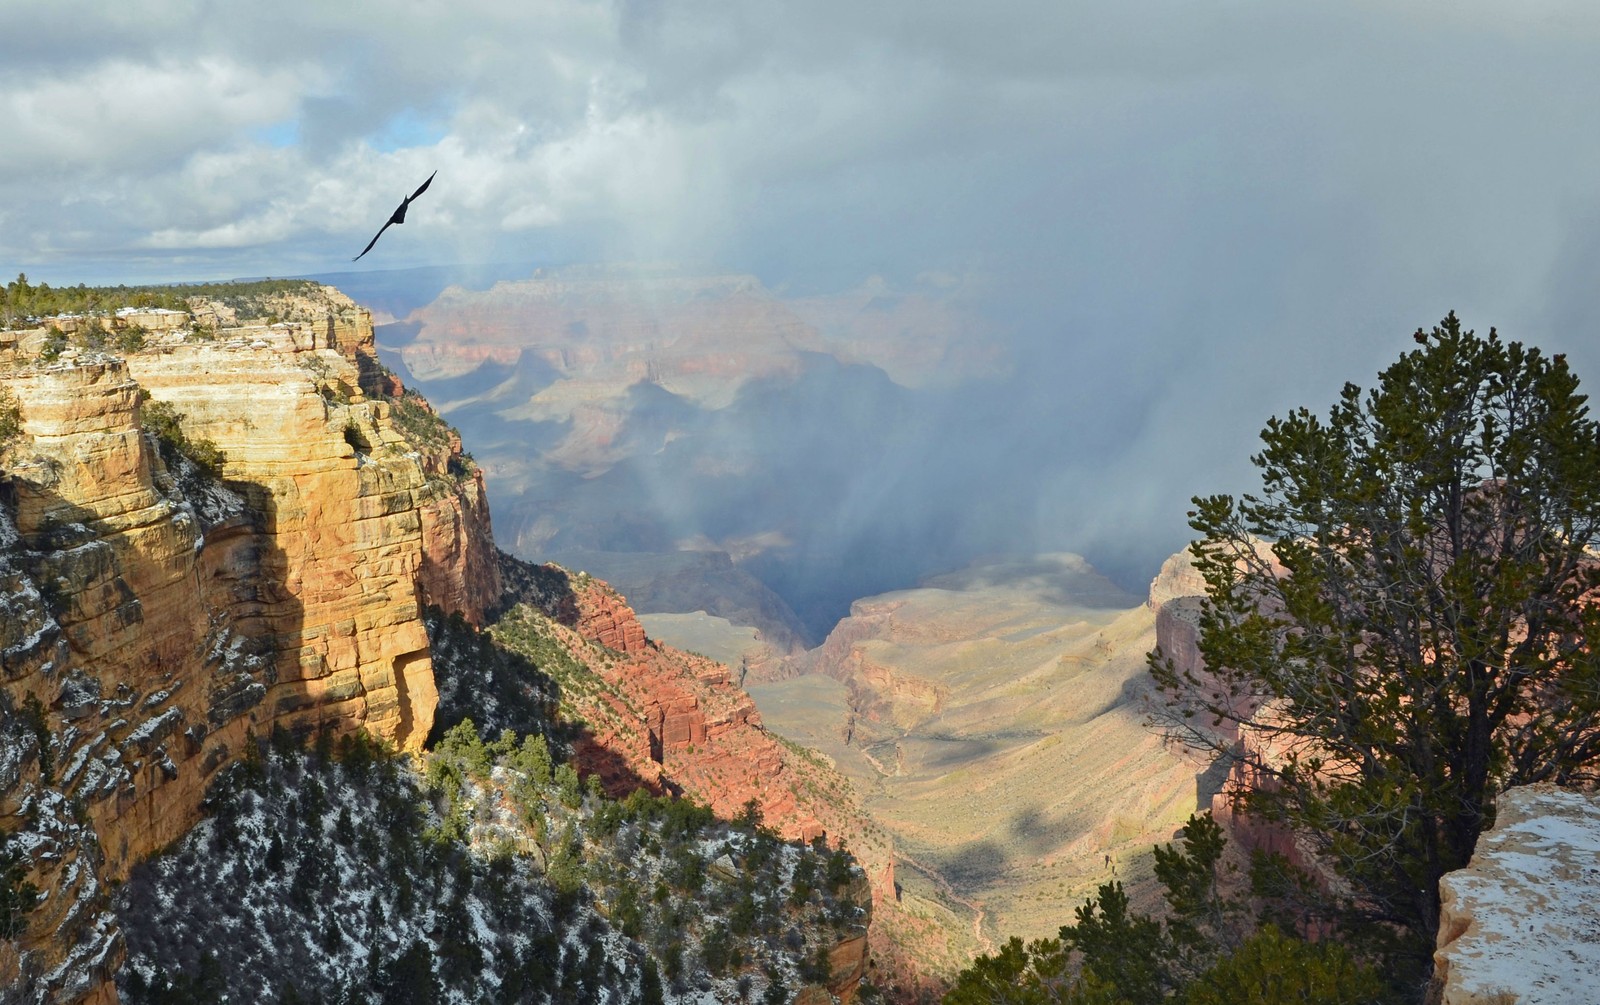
(398, 217)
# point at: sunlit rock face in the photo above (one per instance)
(340, 543)
(681, 720)
(152, 618)
(1518, 924)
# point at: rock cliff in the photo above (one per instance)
(1176, 595)
(671, 719)
(154, 616)
(237, 526)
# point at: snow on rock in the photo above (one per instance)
(1521, 924)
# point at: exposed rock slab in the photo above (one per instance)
(1520, 925)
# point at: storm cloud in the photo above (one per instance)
(1184, 218)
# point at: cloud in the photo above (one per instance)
(1187, 216)
(122, 116)
(938, 134)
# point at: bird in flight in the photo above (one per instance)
(398, 217)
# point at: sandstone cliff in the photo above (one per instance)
(154, 617)
(671, 719)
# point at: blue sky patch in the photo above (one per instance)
(279, 134)
(408, 128)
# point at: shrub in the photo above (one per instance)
(1271, 967)
(165, 421)
(130, 339)
(10, 418)
(55, 341)
(17, 895)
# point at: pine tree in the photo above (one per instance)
(1410, 604)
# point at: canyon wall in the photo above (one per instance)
(1176, 595)
(154, 617)
(675, 720)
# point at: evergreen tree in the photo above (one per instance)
(1407, 614)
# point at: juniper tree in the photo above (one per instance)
(1410, 603)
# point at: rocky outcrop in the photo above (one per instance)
(131, 662)
(1176, 578)
(679, 719)
(154, 618)
(338, 504)
(879, 690)
(604, 618)
(1518, 924)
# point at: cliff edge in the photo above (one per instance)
(155, 614)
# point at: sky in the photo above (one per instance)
(1186, 217)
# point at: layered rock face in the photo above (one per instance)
(1177, 578)
(340, 545)
(153, 619)
(698, 335)
(678, 720)
(1518, 925)
(105, 573)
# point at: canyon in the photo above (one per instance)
(160, 620)
(704, 442)
(994, 720)
(248, 528)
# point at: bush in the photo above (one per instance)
(93, 334)
(130, 339)
(1271, 967)
(17, 895)
(160, 418)
(10, 418)
(55, 341)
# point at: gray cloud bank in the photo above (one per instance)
(1189, 217)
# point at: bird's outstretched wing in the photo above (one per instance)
(373, 241)
(399, 215)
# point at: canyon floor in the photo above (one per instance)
(993, 720)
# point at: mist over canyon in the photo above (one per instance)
(776, 449)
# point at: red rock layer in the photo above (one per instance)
(681, 720)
